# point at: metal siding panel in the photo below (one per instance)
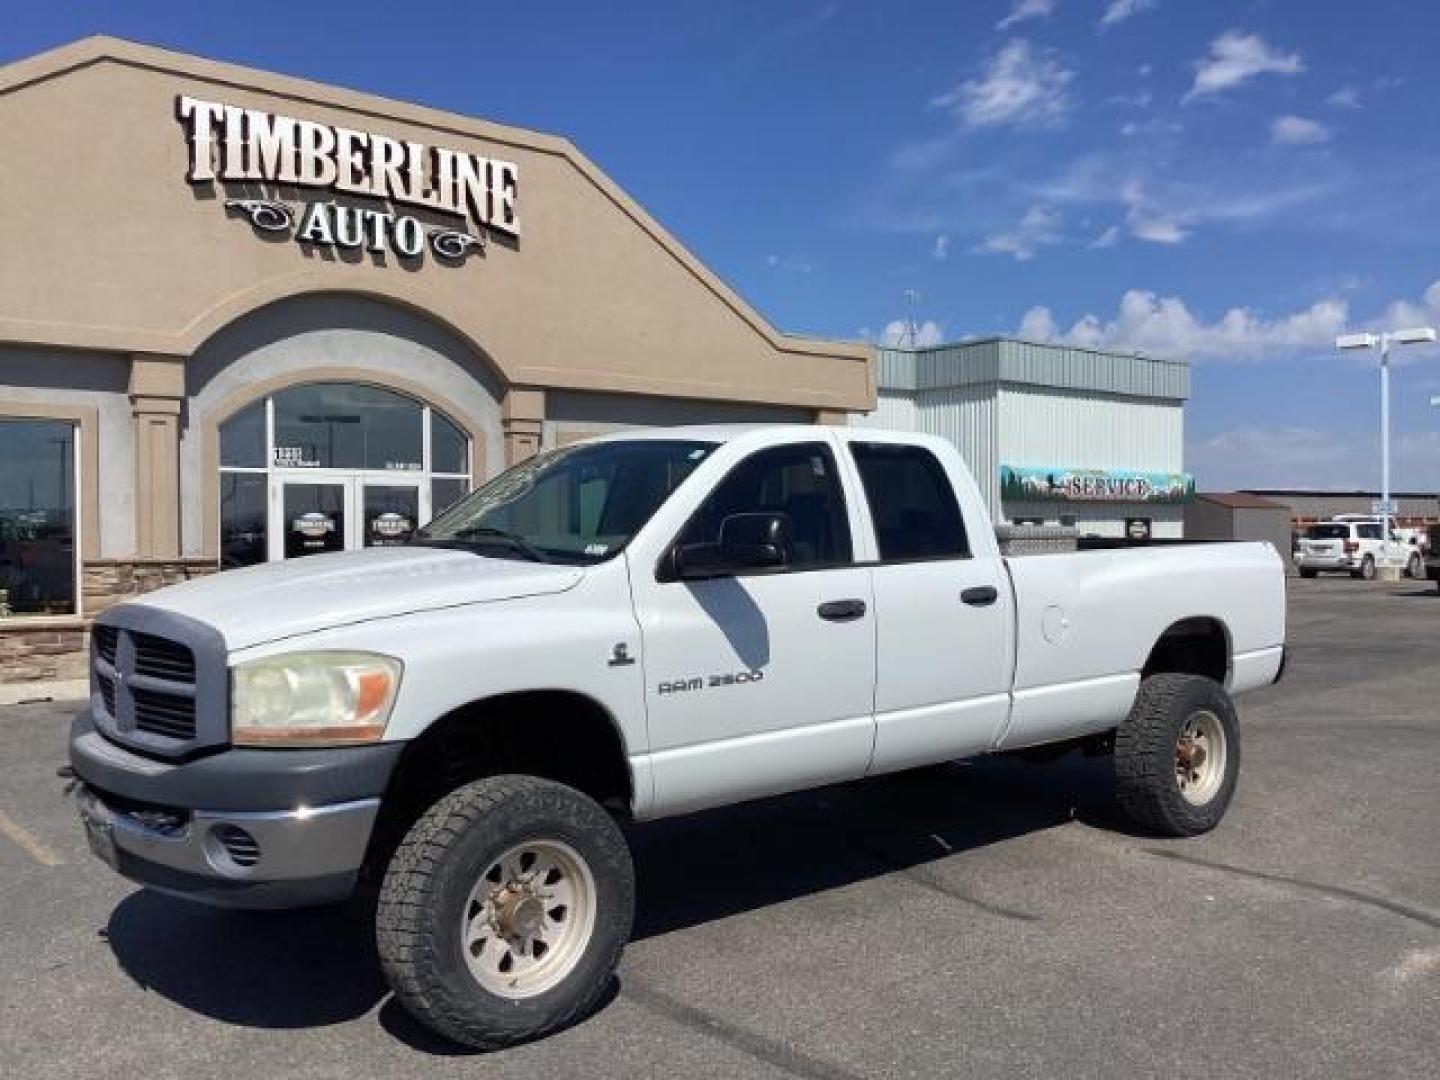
(892, 411)
(1084, 429)
(1089, 369)
(967, 417)
(895, 369)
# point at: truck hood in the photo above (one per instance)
(278, 600)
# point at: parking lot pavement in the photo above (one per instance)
(973, 920)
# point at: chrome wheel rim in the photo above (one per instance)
(529, 919)
(1200, 754)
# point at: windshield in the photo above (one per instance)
(1328, 532)
(580, 504)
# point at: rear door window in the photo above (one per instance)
(1328, 532)
(911, 502)
(1369, 532)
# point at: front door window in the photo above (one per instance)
(334, 467)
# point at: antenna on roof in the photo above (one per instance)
(910, 335)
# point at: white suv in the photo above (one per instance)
(1349, 546)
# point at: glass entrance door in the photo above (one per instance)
(311, 515)
(390, 513)
(313, 519)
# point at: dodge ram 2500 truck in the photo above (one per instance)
(631, 627)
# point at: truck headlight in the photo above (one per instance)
(314, 698)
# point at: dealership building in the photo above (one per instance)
(245, 317)
(1055, 435)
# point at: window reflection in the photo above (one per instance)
(37, 517)
(347, 426)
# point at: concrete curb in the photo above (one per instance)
(76, 690)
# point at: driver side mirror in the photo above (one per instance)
(747, 542)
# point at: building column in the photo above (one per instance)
(522, 417)
(157, 389)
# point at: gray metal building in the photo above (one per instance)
(1307, 505)
(1055, 435)
(1238, 515)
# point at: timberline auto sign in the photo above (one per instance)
(1023, 483)
(247, 146)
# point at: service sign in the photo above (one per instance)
(1026, 483)
(253, 151)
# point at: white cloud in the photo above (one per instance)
(1156, 230)
(925, 334)
(1120, 10)
(1279, 457)
(1165, 326)
(1019, 86)
(1306, 457)
(1235, 58)
(1026, 9)
(1140, 99)
(1039, 227)
(1291, 130)
(795, 264)
(1347, 97)
(941, 250)
(1107, 239)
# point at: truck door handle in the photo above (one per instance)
(980, 595)
(841, 610)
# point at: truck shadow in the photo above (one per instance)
(318, 967)
(723, 862)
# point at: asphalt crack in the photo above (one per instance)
(761, 1047)
(1335, 892)
(929, 880)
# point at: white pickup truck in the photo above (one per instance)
(636, 626)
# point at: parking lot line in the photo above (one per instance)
(27, 841)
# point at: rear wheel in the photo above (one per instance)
(1367, 569)
(1177, 755)
(504, 911)
(1415, 568)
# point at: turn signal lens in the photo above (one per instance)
(313, 699)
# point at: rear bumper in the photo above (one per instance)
(1327, 562)
(240, 828)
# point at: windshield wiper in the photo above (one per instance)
(490, 532)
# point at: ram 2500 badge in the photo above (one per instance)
(623, 629)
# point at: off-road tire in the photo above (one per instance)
(427, 888)
(1309, 573)
(1367, 569)
(1145, 754)
(1415, 568)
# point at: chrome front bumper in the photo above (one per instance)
(237, 828)
(263, 859)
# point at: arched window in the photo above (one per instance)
(334, 466)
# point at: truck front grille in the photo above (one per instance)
(169, 715)
(159, 681)
(162, 659)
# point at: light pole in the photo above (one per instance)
(1420, 335)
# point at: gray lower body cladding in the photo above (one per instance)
(238, 828)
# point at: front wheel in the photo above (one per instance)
(1177, 755)
(504, 911)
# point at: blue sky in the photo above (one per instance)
(1229, 181)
